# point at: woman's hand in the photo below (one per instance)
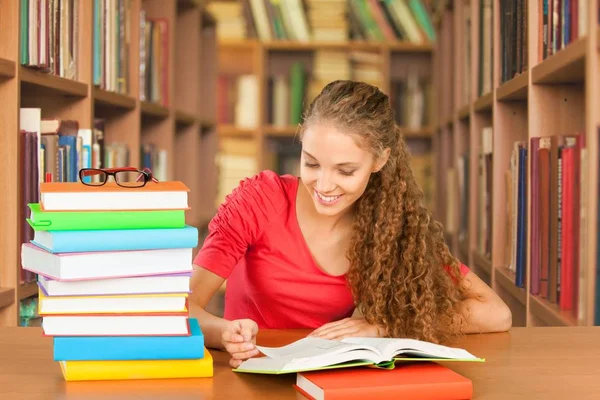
(348, 327)
(239, 339)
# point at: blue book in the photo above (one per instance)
(115, 240)
(95, 348)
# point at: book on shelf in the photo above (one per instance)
(324, 21)
(513, 38)
(311, 353)
(560, 23)
(154, 59)
(484, 195)
(416, 381)
(111, 44)
(49, 36)
(486, 50)
(555, 219)
(236, 160)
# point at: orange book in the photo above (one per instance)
(418, 381)
(75, 196)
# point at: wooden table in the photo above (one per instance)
(526, 363)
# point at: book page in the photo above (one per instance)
(312, 347)
(392, 347)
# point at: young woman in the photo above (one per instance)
(346, 249)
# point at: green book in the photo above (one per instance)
(24, 32)
(96, 220)
(297, 83)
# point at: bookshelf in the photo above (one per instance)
(183, 126)
(550, 93)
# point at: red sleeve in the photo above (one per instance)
(464, 270)
(239, 221)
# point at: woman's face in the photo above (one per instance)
(334, 169)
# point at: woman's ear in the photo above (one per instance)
(380, 162)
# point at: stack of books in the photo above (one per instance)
(114, 267)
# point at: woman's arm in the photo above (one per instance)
(204, 284)
(484, 310)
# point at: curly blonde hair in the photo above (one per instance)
(402, 275)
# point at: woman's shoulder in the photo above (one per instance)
(267, 189)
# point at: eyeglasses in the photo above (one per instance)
(129, 177)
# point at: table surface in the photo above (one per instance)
(524, 363)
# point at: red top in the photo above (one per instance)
(255, 243)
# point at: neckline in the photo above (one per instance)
(299, 232)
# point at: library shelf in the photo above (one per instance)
(207, 123)
(463, 248)
(550, 313)
(26, 290)
(565, 66)
(150, 109)
(7, 68)
(513, 89)
(291, 45)
(41, 80)
(482, 262)
(7, 296)
(484, 103)
(417, 133)
(186, 118)
(464, 112)
(506, 279)
(113, 99)
(409, 47)
(283, 131)
(230, 130)
(232, 44)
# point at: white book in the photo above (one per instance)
(177, 283)
(315, 353)
(115, 325)
(73, 196)
(105, 264)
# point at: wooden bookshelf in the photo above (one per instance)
(7, 297)
(184, 127)
(7, 68)
(484, 103)
(264, 59)
(514, 89)
(555, 96)
(113, 99)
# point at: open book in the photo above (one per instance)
(309, 354)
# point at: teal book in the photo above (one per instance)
(92, 220)
(116, 239)
(92, 348)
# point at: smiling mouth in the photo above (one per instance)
(327, 199)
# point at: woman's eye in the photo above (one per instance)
(309, 165)
(347, 173)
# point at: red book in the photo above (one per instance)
(416, 381)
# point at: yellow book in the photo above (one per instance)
(137, 369)
(122, 304)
